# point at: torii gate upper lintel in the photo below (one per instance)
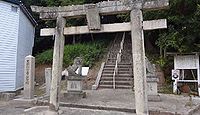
(92, 12)
(105, 8)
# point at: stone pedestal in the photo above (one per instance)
(5, 96)
(74, 87)
(161, 78)
(29, 77)
(152, 90)
(48, 76)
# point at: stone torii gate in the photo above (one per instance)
(92, 13)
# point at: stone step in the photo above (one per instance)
(119, 75)
(123, 64)
(119, 72)
(124, 52)
(126, 49)
(128, 64)
(124, 76)
(126, 55)
(117, 86)
(112, 62)
(119, 69)
(116, 82)
(113, 53)
(114, 57)
(117, 78)
(119, 66)
(111, 58)
(127, 58)
(128, 71)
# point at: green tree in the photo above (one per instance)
(182, 34)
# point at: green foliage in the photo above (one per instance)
(183, 32)
(45, 58)
(172, 39)
(161, 62)
(90, 52)
(66, 2)
(76, 22)
(70, 2)
(166, 89)
(124, 17)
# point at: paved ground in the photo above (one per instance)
(77, 111)
(196, 112)
(106, 102)
(120, 98)
(13, 108)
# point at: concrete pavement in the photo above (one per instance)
(107, 102)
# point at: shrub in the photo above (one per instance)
(90, 52)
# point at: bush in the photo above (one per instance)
(90, 52)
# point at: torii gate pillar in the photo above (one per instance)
(139, 67)
(57, 63)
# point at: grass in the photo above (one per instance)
(90, 52)
(166, 89)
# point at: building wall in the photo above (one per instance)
(24, 47)
(9, 21)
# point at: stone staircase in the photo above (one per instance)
(124, 76)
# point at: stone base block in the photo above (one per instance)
(48, 112)
(4, 96)
(94, 87)
(154, 98)
(75, 94)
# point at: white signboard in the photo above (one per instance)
(186, 62)
(84, 71)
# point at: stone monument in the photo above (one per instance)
(152, 82)
(74, 80)
(29, 76)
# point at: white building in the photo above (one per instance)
(17, 30)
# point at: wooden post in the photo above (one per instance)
(57, 63)
(139, 66)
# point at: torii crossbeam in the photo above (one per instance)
(92, 13)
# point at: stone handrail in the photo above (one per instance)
(95, 86)
(119, 54)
